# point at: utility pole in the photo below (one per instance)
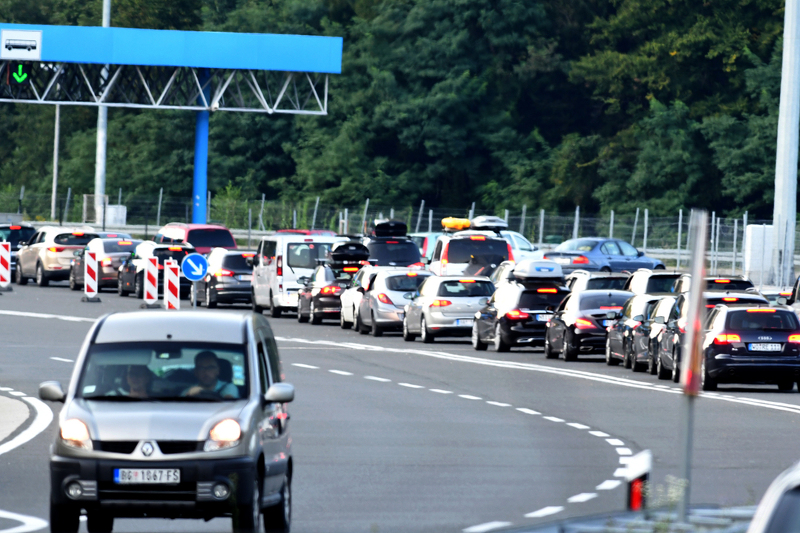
(102, 138)
(785, 203)
(54, 198)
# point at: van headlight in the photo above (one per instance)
(75, 434)
(224, 435)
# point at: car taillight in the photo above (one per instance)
(547, 291)
(248, 255)
(580, 260)
(223, 273)
(15, 227)
(761, 310)
(331, 290)
(416, 265)
(794, 338)
(385, 299)
(78, 233)
(350, 269)
(441, 303)
(124, 243)
(611, 307)
(477, 238)
(722, 281)
(425, 246)
(730, 299)
(412, 274)
(279, 265)
(56, 249)
(582, 323)
(466, 281)
(516, 314)
(510, 253)
(725, 338)
(444, 254)
(106, 262)
(175, 248)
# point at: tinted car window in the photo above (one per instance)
(661, 283)
(538, 300)
(627, 249)
(462, 250)
(305, 255)
(398, 252)
(211, 237)
(456, 288)
(404, 283)
(576, 245)
(9, 234)
(786, 516)
(774, 321)
(74, 239)
(236, 261)
(606, 283)
(115, 247)
(610, 248)
(730, 285)
(603, 301)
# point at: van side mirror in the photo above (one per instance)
(51, 391)
(280, 393)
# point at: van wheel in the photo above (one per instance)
(64, 518)
(41, 276)
(662, 372)
(247, 517)
(99, 522)
(278, 518)
(274, 310)
(300, 316)
(344, 324)
(210, 303)
(256, 308)
(21, 279)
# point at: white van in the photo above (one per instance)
(279, 261)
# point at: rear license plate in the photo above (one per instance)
(245, 277)
(762, 347)
(464, 322)
(543, 318)
(156, 476)
(562, 260)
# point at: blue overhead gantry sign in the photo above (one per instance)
(164, 69)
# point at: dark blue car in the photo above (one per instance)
(600, 254)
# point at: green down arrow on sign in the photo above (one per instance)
(20, 76)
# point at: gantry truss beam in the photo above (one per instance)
(184, 88)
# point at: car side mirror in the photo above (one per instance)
(639, 318)
(660, 320)
(302, 280)
(280, 393)
(639, 253)
(782, 301)
(51, 391)
(361, 290)
(77, 253)
(22, 243)
(612, 315)
(408, 296)
(251, 261)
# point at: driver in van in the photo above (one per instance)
(206, 371)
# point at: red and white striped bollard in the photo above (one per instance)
(150, 289)
(172, 289)
(5, 265)
(90, 277)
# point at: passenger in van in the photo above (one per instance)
(206, 371)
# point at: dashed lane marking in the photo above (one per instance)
(578, 426)
(27, 523)
(528, 411)
(615, 442)
(62, 359)
(599, 434)
(16, 393)
(440, 391)
(553, 419)
(609, 484)
(624, 451)
(46, 315)
(499, 404)
(488, 526)
(469, 397)
(411, 386)
(376, 378)
(301, 365)
(545, 511)
(340, 372)
(582, 497)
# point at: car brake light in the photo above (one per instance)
(392, 242)
(56, 249)
(444, 254)
(441, 303)
(466, 281)
(416, 265)
(106, 262)
(412, 274)
(350, 269)
(77, 233)
(510, 252)
(516, 314)
(582, 323)
(279, 266)
(477, 238)
(580, 260)
(248, 255)
(547, 291)
(710, 306)
(124, 243)
(175, 248)
(15, 227)
(794, 338)
(786, 293)
(331, 289)
(722, 281)
(223, 273)
(725, 338)
(425, 246)
(730, 299)
(761, 310)
(111, 235)
(611, 307)
(385, 299)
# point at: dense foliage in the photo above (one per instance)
(606, 104)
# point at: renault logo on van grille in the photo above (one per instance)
(148, 449)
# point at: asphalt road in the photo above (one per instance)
(394, 436)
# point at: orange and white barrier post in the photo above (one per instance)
(172, 290)
(150, 289)
(5, 265)
(90, 277)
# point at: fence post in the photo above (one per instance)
(735, 234)
(261, 214)
(611, 226)
(419, 216)
(680, 228)
(391, 213)
(249, 225)
(711, 233)
(21, 197)
(716, 247)
(346, 221)
(541, 227)
(635, 223)
(644, 241)
(471, 211)
(313, 218)
(430, 220)
(208, 206)
(119, 198)
(577, 222)
(522, 222)
(294, 218)
(364, 218)
(506, 217)
(66, 204)
(158, 213)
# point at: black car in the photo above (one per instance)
(110, 254)
(751, 345)
(583, 280)
(667, 346)
(714, 283)
(14, 234)
(646, 281)
(131, 273)
(321, 294)
(229, 278)
(580, 321)
(517, 314)
(390, 246)
(643, 338)
(619, 342)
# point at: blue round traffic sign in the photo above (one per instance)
(194, 267)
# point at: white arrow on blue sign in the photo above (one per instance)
(194, 267)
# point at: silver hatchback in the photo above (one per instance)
(173, 415)
(445, 306)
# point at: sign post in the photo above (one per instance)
(195, 268)
(150, 284)
(90, 277)
(172, 288)
(5, 266)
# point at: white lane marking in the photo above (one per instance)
(301, 365)
(488, 526)
(376, 378)
(578, 426)
(499, 404)
(468, 397)
(599, 434)
(5, 389)
(624, 451)
(553, 419)
(62, 359)
(340, 372)
(411, 386)
(29, 523)
(582, 497)
(609, 484)
(528, 411)
(45, 315)
(615, 442)
(545, 511)
(621, 472)
(441, 391)
(40, 422)
(16, 393)
(625, 460)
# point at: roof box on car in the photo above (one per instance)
(533, 270)
(488, 223)
(349, 251)
(389, 228)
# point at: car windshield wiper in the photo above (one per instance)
(187, 399)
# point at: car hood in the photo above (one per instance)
(151, 420)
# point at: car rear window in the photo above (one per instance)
(305, 254)
(761, 319)
(116, 247)
(14, 234)
(604, 301)
(404, 283)
(491, 250)
(728, 284)
(606, 283)
(400, 252)
(211, 238)
(469, 288)
(535, 299)
(74, 239)
(237, 261)
(661, 283)
(576, 245)
(163, 254)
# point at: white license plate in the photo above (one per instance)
(562, 260)
(607, 322)
(156, 476)
(543, 318)
(245, 277)
(464, 322)
(762, 347)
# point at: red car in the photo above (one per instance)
(204, 237)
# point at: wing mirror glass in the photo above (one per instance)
(660, 320)
(409, 296)
(51, 391)
(22, 243)
(782, 301)
(612, 315)
(77, 253)
(280, 393)
(639, 318)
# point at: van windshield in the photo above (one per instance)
(211, 238)
(164, 371)
(305, 254)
